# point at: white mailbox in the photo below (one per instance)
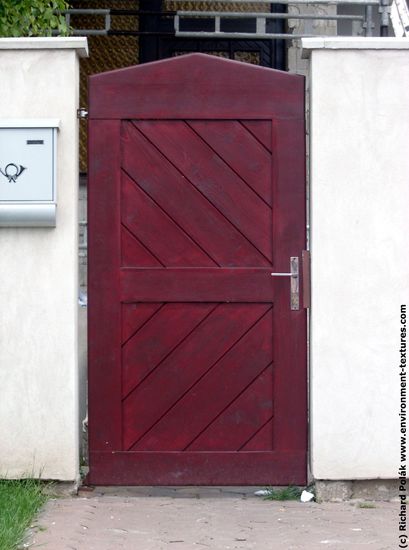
(28, 172)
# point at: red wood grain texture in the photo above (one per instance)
(157, 338)
(197, 193)
(199, 468)
(262, 439)
(135, 253)
(222, 331)
(174, 247)
(196, 86)
(241, 420)
(190, 209)
(225, 382)
(204, 284)
(290, 385)
(238, 203)
(134, 316)
(104, 311)
(261, 130)
(226, 138)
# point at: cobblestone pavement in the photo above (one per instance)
(131, 519)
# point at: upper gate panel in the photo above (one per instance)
(204, 186)
(196, 86)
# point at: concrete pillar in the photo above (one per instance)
(39, 276)
(359, 248)
(296, 62)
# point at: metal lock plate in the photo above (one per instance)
(294, 275)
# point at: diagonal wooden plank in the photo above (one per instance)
(214, 391)
(208, 173)
(241, 419)
(229, 139)
(136, 315)
(157, 338)
(261, 130)
(134, 253)
(185, 204)
(185, 366)
(157, 231)
(261, 440)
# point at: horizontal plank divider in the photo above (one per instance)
(198, 468)
(199, 284)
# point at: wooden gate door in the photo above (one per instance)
(196, 195)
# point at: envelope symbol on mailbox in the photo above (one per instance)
(12, 171)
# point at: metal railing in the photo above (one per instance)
(366, 20)
(400, 18)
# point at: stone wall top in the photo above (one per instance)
(77, 43)
(352, 43)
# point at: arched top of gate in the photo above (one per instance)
(196, 86)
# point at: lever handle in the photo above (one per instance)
(294, 283)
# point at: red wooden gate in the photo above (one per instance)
(196, 195)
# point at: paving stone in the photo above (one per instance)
(183, 521)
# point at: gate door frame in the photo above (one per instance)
(195, 86)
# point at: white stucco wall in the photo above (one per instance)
(39, 276)
(360, 261)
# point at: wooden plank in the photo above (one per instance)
(290, 409)
(136, 315)
(185, 204)
(134, 253)
(199, 468)
(194, 86)
(241, 151)
(214, 179)
(261, 130)
(262, 440)
(104, 309)
(147, 221)
(201, 285)
(221, 330)
(157, 338)
(245, 361)
(241, 420)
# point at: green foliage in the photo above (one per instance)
(32, 17)
(19, 502)
(286, 493)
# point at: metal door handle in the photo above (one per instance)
(294, 283)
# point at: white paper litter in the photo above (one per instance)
(306, 496)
